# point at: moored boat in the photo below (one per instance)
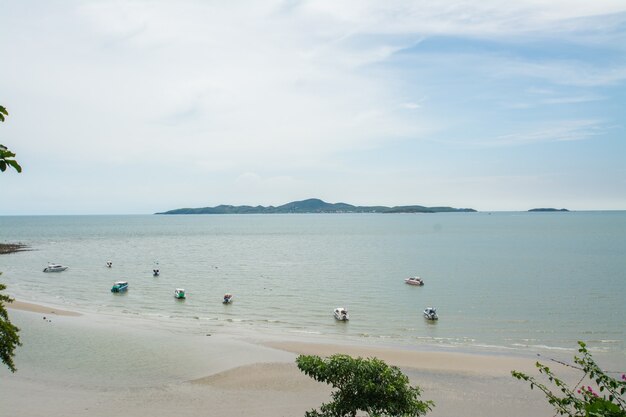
(54, 268)
(430, 313)
(179, 294)
(414, 281)
(341, 314)
(228, 298)
(120, 286)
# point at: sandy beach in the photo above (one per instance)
(443, 362)
(141, 370)
(37, 308)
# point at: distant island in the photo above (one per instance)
(314, 205)
(548, 209)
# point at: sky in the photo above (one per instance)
(129, 107)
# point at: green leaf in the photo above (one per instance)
(15, 165)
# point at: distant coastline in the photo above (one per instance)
(314, 205)
(548, 209)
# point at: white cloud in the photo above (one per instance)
(411, 105)
(567, 130)
(573, 99)
(536, 133)
(573, 73)
(163, 81)
(484, 18)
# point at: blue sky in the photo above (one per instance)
(143, 106)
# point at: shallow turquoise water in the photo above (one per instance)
(521, 281)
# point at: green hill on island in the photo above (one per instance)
(313, 205)
(548, 209)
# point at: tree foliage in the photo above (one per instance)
(9, 338)
(604, 399)
(368, 385)
(6, 156)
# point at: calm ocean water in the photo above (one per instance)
(521, 281)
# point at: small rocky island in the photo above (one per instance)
(548, 209)
(314, 205)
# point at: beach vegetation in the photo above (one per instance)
(368, 385)
(597, 394)
(9, 337)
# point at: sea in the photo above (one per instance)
(502, 281)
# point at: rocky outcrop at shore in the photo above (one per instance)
(12, 247)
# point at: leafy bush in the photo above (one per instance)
(604, 399)
(368, 385)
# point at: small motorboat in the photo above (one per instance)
(341, 314)
(155, 272)
(430, 313)
(414, 281)
(120, 286)
(179, 294)
(54, 268)
(228, 298)
(109, 264)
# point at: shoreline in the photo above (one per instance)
(430, 358)
(327, 344)
(225, 373)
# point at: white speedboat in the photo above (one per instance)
(430, 313)
(341, 314)
(414, 281)
(120, 286)
(54, 268)
(179, 294)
